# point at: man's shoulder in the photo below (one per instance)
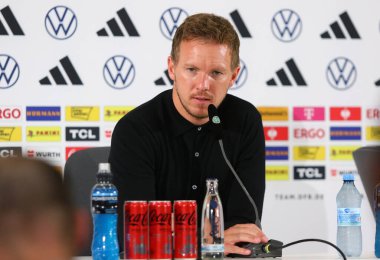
(238, 108)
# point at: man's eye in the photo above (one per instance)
(191, 69)
(216, 73)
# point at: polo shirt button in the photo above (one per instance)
(196, 154)
(194, 187)
(199, 128)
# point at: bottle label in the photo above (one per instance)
(349, 217)
(213, 248)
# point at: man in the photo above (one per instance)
(36, 217)
(165, 149)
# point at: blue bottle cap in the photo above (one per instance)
(348, 177)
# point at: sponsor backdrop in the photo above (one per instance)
(70, 69)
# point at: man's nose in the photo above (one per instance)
(204, 82)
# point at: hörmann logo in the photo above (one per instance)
(9, 113)
(82, 113)
(309, 133)
(43, 113)
(10, 151)
(276, 153)
(82, 133)
(345, 133)
(44, 153)
(309, 173)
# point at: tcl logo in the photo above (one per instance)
(10, 113)
(6, 152)
(312, 172)
(82, 134)
(309, 133)
(373, 113)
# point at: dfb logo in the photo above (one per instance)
(242, 77)
(82, 133)
(170, 20)
(10, 113)
(286, 25)
(341, 73)
(119, 72)
(9, 71)
(310, 172)
(61, 22)
(6, 152)
(309, 133)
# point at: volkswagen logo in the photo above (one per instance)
(170, 20)
(341, 73)
(61, 22)
(242, 77)
(286, 25)
(9, 71)
(119, 72)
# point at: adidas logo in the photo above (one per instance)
(377, 83)
(114, 25)
(240, 25)
(282, 75)
(58, 77)
(164, 80)
(336, 27)
(10, 21)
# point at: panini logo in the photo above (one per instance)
(336, 28)
(285, 80)
(43, 113)
(43, 134)
(373, 133)
(44, 153)
(113, 114)
(345, 133)
(11, 21)
(309, 153)
(274, 113)
(309, 173)
(10, 134)
(276, 133)
(342, 153)
(345, 113)
(276, 173)
(308, 113)
(82, 133)
(373, 114)
(10, 113)
(6, 152)
(276, 153)
(82, 113)
(71, 150)
(308, 133)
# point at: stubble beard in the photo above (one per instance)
(186, 107)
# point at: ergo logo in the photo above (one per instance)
(8, 113)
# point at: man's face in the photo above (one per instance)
(202, 75)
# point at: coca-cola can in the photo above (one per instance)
(160, 231)
(185, 229)
(136, 230)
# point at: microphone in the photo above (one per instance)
(273, 248)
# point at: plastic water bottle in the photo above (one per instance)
(349, 235)
(377, 213)
(104, 214)
(212, 227)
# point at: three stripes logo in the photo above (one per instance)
(377, 83)
(346, 23)
(10, 21)
(282, 75)
(115, 28)
(164, 80)
(9, 71)
(341, 73)
(119, 72)
(240, 25)
(286, 25)
(61, 22)
(170, 20)
(59, 78)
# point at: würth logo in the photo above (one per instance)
(341, 73)
(11, 21)
(164, 80)
(116, 26)
(82, 133)
(286, 25)
(342, 29)
(240, 25)
(119, 72)
(59, 79)
(170, 20)
(61, 22)
(9, 71)
(282, 74)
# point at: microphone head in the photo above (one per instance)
(215, 122)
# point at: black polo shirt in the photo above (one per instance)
(156, 154)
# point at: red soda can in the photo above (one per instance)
(185, 229)
(136, 230)
(160, 230)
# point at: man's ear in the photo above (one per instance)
(234, 76)
(171, 68)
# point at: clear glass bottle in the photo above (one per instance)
(212, 227)
(349, 234)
